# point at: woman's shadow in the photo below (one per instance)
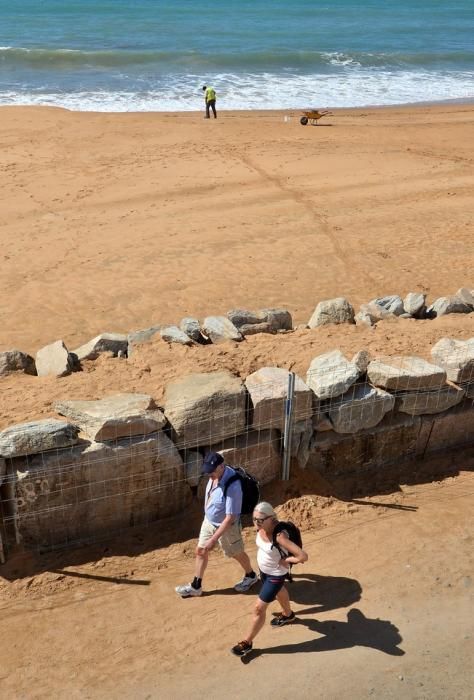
(357, 631)
(323, 593)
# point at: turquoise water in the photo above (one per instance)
(134, 55)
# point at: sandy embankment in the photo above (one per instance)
(113, 222)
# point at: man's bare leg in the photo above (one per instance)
(201, 562)
(244, 561)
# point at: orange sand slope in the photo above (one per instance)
(112, 222)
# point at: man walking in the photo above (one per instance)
(221, 525)
(210, 99)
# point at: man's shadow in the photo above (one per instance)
(357, 631)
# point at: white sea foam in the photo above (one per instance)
(354, 88)
(340, 59)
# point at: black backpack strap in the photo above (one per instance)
(230, 480)
(281, 527)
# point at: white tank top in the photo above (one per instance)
(268, 558)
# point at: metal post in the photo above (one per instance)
(285, 475)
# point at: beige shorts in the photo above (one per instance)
(231, 541)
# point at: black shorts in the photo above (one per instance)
(271, 586)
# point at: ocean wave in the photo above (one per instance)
(74, 58)
(61, 59)
(262, 91)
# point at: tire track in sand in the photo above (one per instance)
(349, 264)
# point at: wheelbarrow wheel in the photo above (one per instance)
(304, 121)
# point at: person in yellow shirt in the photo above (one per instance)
(210, 98)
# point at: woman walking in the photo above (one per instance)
(274, 563)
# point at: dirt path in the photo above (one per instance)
(384, 610)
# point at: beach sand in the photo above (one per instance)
(114, 222)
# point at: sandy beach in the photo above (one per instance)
(114, 222)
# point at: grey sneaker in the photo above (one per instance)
(187, 591)
(246, 583)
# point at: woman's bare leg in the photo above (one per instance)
(258, 620)
(284, 600)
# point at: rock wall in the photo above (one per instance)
(75, 494)
(122, 461)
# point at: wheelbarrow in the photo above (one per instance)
(312, 116)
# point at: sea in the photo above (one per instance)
(155, 55)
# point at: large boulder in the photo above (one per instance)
(173, 334)
(97, 489)
(203, 408)
(219, 329)
(279, 319)
(193, 467)
(453, 428)
(139, 337)
(251, 322)
(257, 451)
(261, 321)
(372, 313)
(105, 342)
(192, 328)
(331, 375)
(254, 328)
(3, 469)
(16, 361)
(302, 433)
(268, 389)
(417, 403)
(361, 360)
(114, 417)
(337, 310)
(392, 303)
(243, 317)
(466, 296)
(456, 357)
(336, 455)
(360, 408)
(321, 422)
(37, 436)
(54, 359)
(448, 305)
(405, 374)
(414, 304)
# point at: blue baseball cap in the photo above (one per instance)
(211, 461)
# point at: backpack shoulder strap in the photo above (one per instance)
(280, 527)
(230, 480)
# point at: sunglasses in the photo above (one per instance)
(260, 521)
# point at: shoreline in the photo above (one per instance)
(460, 101)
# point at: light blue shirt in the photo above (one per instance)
(216, 507)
